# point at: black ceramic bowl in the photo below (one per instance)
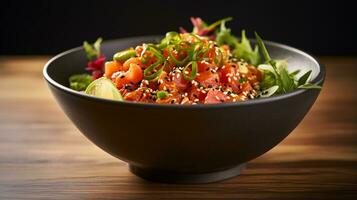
(182, 143)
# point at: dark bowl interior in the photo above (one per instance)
(182, 143)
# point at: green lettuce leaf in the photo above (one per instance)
(242, 48)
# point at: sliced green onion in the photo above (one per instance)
(151, 68)
(160, 58)
(173, 37)
(124, 55)
(144, 59)
(193, 74)
(172, 57)
(162, 94)
(170, 38)
(196, 36)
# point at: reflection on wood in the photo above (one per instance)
(43, 156)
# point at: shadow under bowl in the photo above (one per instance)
(182, 143)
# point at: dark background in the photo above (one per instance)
(49, 27)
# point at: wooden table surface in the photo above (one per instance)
(43, 156)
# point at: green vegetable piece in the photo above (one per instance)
(269, 80)
(309, 86)
(162, 94)
(148, 75)
(193, 73)
(262, 47)
(304, 78)
(287, 83)
(294, 73)
(172, 36)
(124, 55)
(242, 48)
(224, 36)
(92, 51)
(270, 91)
(80, 82)
(245, 51)
(172, 57)
(242, 80)
(217, 23)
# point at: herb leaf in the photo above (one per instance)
(309, 86)
(244, 50)
(304, 78)
(294, 73)
(93, 51)
(80, 82)
(242, 47)
(262, 48)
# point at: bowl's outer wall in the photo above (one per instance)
(187, 140)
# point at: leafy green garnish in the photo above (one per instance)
(269, 79)
(93, 51)
(309, 86)
(294, 73)
(80, 82)
(241, 47)
(304, 78)
(244, 50)
(279, 75)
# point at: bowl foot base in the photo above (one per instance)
(182, 178)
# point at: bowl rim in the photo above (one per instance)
(319, 79)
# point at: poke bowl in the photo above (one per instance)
(178, 143)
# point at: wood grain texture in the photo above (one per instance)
(43, 156)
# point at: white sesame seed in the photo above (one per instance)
(217, 97)
(185, 100)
